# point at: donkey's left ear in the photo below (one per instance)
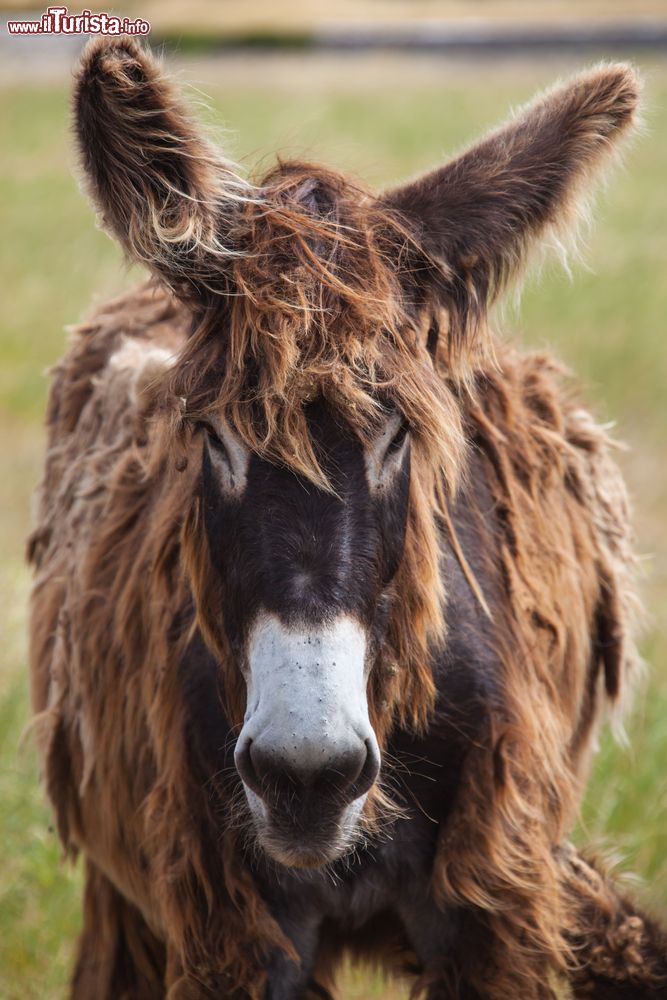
(479, 214)
(165, 192)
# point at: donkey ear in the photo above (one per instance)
(479, 214)
(163, 191)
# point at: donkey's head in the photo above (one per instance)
(322, 406)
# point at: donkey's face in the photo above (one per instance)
(307, 286)
(305, 575)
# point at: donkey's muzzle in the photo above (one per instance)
(307, 752)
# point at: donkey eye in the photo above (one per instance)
(215, 442)
(228, 456)
(398, 439)
(384, 456)
(212, 438)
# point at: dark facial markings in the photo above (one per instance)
(286, 547)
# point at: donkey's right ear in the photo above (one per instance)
(162, 189)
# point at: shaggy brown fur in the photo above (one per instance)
(297, 287)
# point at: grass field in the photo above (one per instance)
(383, 118)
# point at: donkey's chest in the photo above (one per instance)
(378, 906)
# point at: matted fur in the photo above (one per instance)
(522, 786)
(300, 286)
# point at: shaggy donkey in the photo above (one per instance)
(331, 586)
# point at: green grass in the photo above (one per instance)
(386, 120)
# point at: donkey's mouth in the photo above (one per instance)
(309, 838)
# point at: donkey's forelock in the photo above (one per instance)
(318, 311)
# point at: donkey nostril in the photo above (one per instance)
(264, 767)
(353, 773)
(245, 766)
(370, 769)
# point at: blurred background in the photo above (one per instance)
(383, 88)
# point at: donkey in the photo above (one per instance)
(331, 585)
